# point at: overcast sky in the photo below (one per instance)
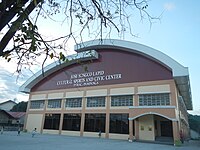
(177, 34)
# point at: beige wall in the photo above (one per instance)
(74, 94)
(168, 112)
(51, 131)
(119, 136)
(71, 133)
(93, 134)
(122, 91)
(55, 95)
(38, 96)
(101, 92)
(34, 121)
(154, 89)
(108, 91)
(146, 128)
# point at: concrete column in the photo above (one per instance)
(61, 123)
(83, 116)
(107, 125)
(136, 122)
(107, 116)
(62, 114)
(173, 94)
(44, 111)
(131, 129)
(176, 135)
(27, 112)
(136, 97)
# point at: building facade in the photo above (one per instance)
(122, 89)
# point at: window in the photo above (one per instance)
(39, 104)
(72, 122)
(119, 123)
(55, 103)
(52, 121)
(95, 122)
(126, 100)
(73, 102)
(96, 102)
(154, 99)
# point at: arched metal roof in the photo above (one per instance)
(177, 69)
(180, 73)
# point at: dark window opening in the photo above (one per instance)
(72, 122)
(52, 121)
(119, 123)
(95, 122)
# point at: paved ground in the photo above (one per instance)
(10, 141)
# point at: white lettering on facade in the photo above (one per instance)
(64, 82)
(89, 78)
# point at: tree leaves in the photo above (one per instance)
(62, 57)
(35, 2)
(51, 55)
(8, 59)
(90, 17)
(20, 107)
(194, 122)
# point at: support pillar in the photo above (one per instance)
(82, 124)
(176, 135)
(62, 115)
(136, 122)
(107, 125)
(130, 129)
(108, 99)
(61, 123)
(83, 116)
(44, 114)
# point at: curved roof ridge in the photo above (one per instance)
(178, 69)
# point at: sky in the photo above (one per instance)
(176, 34)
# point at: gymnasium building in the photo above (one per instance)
(121, 89)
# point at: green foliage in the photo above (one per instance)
(25, 130)
(194, 122)
(20, 107)
(178, 143)
(62, 56)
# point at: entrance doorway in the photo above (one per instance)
(166, 128)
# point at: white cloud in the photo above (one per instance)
(169, 6)
(22, 97)
(10, 82)
(194, 112)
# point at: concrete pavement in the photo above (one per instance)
(10, 141)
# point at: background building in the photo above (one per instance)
(7, 105)
(11, 120)
(119, 88)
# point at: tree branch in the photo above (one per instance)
(15, 26)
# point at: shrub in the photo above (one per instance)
(178, 143)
